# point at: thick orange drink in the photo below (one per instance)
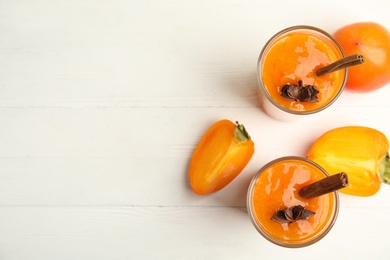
(292, 57)
(276, 187)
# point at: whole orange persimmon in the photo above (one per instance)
(372, 40)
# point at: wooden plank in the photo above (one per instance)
(117, 156)
(115, 56)
(170, 233)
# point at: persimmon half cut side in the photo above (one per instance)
(361, 152)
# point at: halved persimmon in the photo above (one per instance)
(220, 156)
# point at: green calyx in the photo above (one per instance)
(241, 134)
(384, 169)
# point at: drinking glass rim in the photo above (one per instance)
(251, 210)
(260, 80)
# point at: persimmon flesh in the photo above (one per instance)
(372, 40)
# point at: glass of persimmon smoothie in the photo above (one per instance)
(288, 85)
(275, 188)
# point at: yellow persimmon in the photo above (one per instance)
(361, 152)
(220, 156)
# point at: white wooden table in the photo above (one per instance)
(103, 102)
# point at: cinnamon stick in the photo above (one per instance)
(343, 63)
(324, 186)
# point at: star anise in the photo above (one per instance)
(300, 93)
(288, 215)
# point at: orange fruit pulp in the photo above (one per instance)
(277, 187)
(295, 56)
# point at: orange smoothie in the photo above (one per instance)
(276, 187)
(295, 56)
